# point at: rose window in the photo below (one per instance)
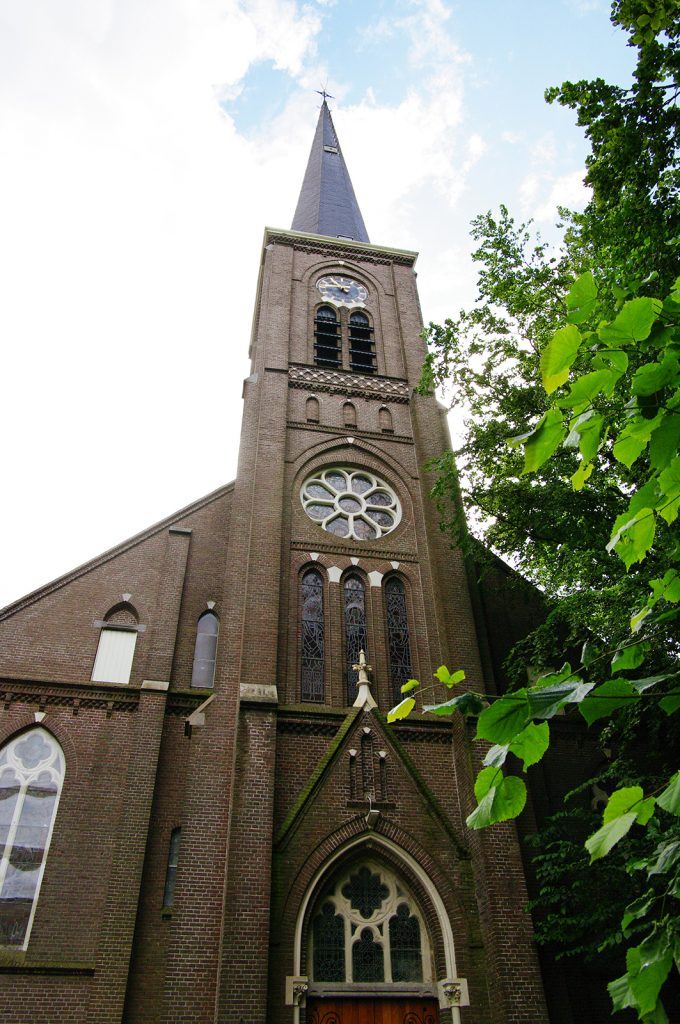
(351, 503)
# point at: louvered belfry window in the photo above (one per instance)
(355, 631)
(312, 623)
(326, 338)
(398, 641)
(361, 345)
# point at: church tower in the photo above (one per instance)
(263, 847)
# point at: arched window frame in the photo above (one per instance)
(389, 893)
(327, 342)
(391, 639)
(117, 644)
(312, 409)
(385, 420)
(209, 616)
(349, 414)
(355, 636)
(306, 695)
(361, 342)
(53, 765)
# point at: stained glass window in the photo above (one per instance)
(171, 870)
(31, 777)
(351, 503)
(355, 631)
(398, 641)
(407, 961)
(205, 652)
(312, 630)
(367, 928)
(329, 945)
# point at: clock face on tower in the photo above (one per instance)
(342, 291)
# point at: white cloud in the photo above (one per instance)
(567, 190)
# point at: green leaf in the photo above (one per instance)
(584, 389)
(456, 677)
(637, 909)
(499, 798)
(531, 744)
(629, 657)
(667, 856)
(664, 442)
(504, 719)
(497, 754)
(634, 322)
(581, 298)
(621, 801)
(412, 684)
(652, 377)
(466, 703)
(669, 482)
(558, 355)
(633, 537)
(583, 472)
(402, 710)
(671, 702)
(670, 798)
(605, 699)
(648, 967)
(621, 994)
(584, 433)
(601, 842)
(634, 438)
(546, 701)
(640, 685)
(443, 674)
(543, 441)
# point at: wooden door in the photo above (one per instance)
(372, 1011)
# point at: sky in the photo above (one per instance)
(144, 146)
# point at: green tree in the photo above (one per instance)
(569, 368)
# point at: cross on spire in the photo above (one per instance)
(326, 95)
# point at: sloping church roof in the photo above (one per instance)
(327, 204)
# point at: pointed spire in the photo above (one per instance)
(327, 204)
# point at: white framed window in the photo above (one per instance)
(31, 777)
(351, 503)
(115, 652)
(367, 929)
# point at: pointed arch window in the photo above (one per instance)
(31, 777)
(361, 344)
(367, 928)
(312, 637)
(326, 337)
(354, 602)
(205, 651)
(398, 639)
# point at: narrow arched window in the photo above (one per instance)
(349, 415)
(398, 640)
(385, 420)
(312, 630)
(355, 631)
(31, 776)
(326, 337)
(312, 410)
(203, 671)
(171, 869)
(361, 346)
(116, 647)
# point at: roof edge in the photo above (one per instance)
(106, 556)
(271, 234)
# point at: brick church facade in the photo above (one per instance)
(204, 814)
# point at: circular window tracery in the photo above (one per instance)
(351, 503)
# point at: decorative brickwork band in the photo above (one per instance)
(334, 382)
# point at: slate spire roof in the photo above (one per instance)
(327, 204)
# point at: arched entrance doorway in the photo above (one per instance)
(369, 955)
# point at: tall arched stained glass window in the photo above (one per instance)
(31, 776)
(355, 630)
(398, 642)
(312, 629)
(205, 651)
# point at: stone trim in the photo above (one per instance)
(339, 248)
(377, 435)
(156, 684)
(339, 382)
(345, 549)
(111, 697)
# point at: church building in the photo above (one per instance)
(204, 815)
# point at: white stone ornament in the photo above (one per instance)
(351, 503)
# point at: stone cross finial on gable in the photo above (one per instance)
(364, 698)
